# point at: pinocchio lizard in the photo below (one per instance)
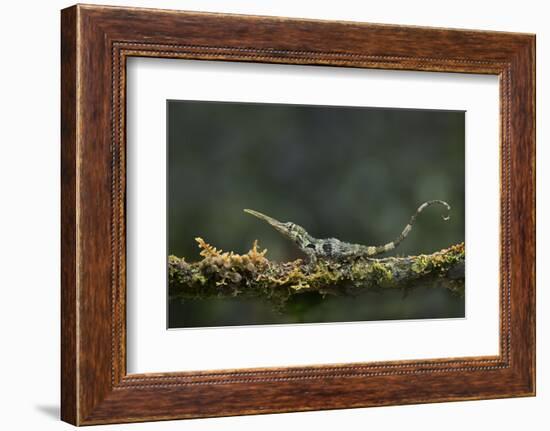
(332, 248)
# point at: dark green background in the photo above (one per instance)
(357, 174)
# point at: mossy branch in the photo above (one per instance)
(221, 274)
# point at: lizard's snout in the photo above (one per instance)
(273, 222)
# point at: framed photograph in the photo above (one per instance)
(265, 215)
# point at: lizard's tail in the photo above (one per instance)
(372, 251)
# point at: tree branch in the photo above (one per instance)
(221, 274)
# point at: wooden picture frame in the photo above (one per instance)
(95, 43)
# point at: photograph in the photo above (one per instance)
(293, 214)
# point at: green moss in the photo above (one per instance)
(438, 262)
(420, 264)
(199, 278)
(379, 273)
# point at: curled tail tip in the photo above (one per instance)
(448, 215)
(445, 204)
(440, 202)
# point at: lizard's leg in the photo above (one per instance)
(311, 258)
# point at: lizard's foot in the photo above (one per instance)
(310, 265)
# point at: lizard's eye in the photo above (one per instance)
(290, 226)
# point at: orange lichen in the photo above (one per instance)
(207, 249)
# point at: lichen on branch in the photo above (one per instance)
(221, 274)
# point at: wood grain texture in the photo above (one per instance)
(96, 41)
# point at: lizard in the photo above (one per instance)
(333, 249)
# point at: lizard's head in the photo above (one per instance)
(291, 230)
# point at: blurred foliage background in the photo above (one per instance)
(356, 174)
